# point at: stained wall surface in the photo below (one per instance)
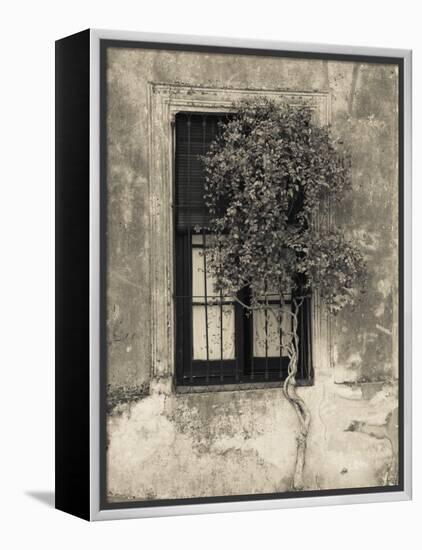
(166, 444)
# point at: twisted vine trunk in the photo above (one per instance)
(289, 386)
(299, 405)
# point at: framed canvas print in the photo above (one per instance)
(233, 275)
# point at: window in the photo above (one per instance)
(217, 342)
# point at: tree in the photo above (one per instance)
(268, 173)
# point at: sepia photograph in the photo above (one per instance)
(251, 274)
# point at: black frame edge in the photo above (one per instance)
(72, 421)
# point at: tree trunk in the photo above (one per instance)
(289, 387)
(302, 437)
(299, 405)
(304, 417)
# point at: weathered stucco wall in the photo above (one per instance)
(167, 445)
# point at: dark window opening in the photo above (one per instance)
(217, 342)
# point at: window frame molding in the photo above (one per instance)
(165, 100)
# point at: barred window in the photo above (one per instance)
(217, 342)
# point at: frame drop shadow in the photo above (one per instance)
(45, 497)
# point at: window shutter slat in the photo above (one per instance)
(194, 134)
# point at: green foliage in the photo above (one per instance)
(268, 174)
